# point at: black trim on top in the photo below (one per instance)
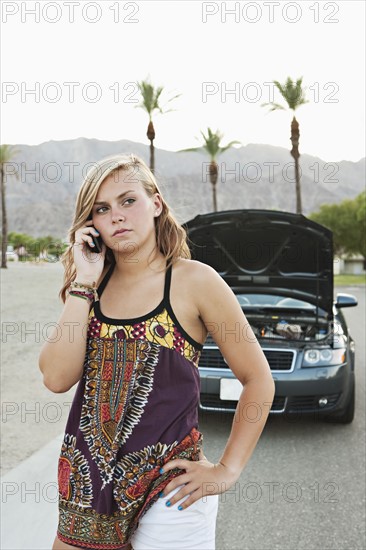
(169, 308)
(110, 320)
(191, 340)
(168, 279)
(107, 276)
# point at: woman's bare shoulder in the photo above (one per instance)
(194, 271)
(201, 282)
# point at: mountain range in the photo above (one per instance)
(41, 202)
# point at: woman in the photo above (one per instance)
(132, 472)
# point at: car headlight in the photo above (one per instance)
(323, 357)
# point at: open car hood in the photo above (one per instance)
(266, 251)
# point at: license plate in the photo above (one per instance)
(230, 389)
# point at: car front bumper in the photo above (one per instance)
(299, 390)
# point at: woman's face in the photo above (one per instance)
(123, 204)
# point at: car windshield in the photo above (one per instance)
(272, 301)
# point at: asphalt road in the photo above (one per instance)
(304, 485)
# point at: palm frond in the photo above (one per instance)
(293, 93)
(163, 110)
(223, 149)
(211, 144)
(275, 106)
(190, 150)
(151, 98)
(281, 89)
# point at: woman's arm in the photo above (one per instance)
(62, 356)
(224, 319)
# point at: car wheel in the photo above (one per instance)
(347, 415)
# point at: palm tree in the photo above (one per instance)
(212, 147)
(294, 95)
(7, 152)
(150, 103)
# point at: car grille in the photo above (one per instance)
(294, 404)
(212, 401)
(279, 360)
(302, 403)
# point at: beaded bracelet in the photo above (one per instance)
(84, 291)
(83, 285)
(84, 295)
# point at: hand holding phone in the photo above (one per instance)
(97, 244)
(96, 240)
(89, 267)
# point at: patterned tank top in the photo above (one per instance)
(134, 409)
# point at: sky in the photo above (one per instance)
(83, 60)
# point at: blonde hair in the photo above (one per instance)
(171, 237)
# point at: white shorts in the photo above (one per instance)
(167, 528)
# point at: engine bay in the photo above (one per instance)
(288, 327)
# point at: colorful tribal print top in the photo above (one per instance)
(134, 409)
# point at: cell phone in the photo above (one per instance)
(96, 240)
(97, 244)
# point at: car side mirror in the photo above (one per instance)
(345, 300)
